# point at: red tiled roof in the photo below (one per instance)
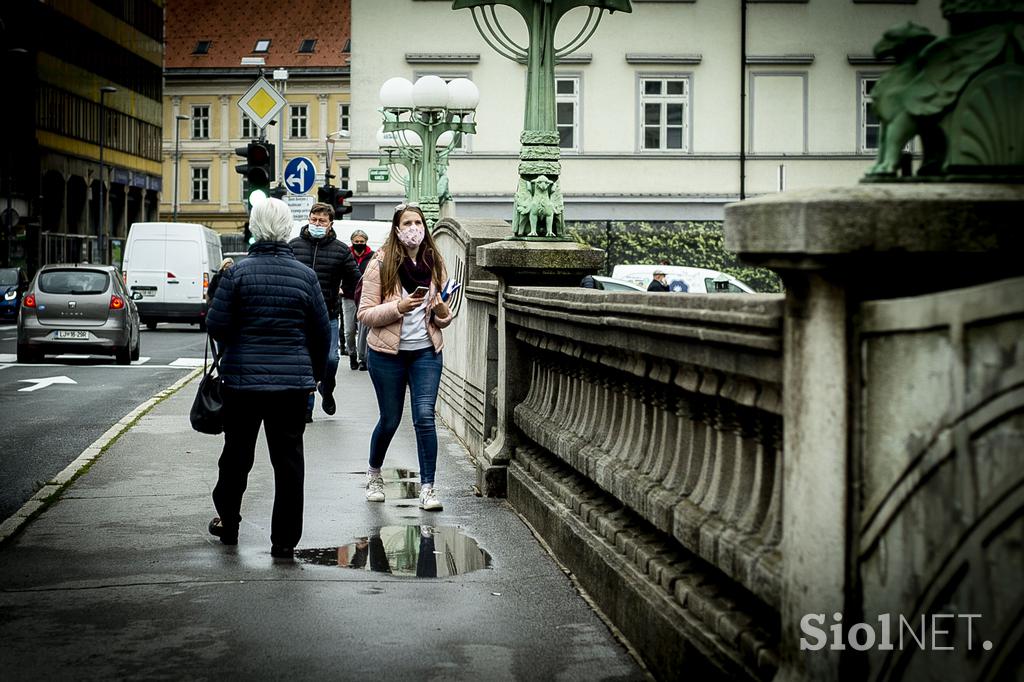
(233, 27)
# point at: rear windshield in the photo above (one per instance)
(8, 276)
(73, 282)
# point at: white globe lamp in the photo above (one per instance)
(397, 93)
(430, 92)
(463, 95)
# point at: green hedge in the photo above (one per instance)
(691, 243)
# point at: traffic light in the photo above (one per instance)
(340, 203)
(258, 168)
(336, 197)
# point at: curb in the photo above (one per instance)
(49, 492)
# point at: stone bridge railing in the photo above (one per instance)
(645, 446)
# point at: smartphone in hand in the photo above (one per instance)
(420, 292)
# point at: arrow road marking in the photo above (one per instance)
(299, 181)
(43, 383)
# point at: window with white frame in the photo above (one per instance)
(344, 117)
(299, 119)
(201, 122)
(343, 177)
(200, 183)
(664, 104)
(567, 112)
(870, 126)
(249, 129)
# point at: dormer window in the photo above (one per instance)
(202, 47)
(348, 45)
(262, 45)
(307, 46)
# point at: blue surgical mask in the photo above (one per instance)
(317, 231)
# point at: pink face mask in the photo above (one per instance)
(411, 237)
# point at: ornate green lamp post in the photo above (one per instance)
(425, 120)
(405, 150)
(538, 201)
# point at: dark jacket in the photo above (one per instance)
(269, 315)
(211, 288)
(331, 261)
(655, 285)
(361, 262)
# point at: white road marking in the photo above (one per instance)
(44, 382)
(8, 357)
(187, 362)
(9, 338)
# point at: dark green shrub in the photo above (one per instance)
(692, 243)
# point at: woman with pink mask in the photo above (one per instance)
(402, 307)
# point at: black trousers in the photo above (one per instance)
(282, 414)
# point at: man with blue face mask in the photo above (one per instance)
(319, 248)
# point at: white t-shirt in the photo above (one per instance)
(414, 326)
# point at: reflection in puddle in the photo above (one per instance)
(408, 551)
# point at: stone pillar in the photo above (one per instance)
(837, 249)
(522, 263)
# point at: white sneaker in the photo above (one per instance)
(374, 488)
(428, 499)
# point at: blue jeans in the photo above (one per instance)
(420, 370)
(332, 364)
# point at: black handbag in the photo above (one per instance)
(207, 414)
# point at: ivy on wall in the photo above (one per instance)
(689, 243)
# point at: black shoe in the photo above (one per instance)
(309, 416)
(353, 362)
(362, 367)
(282, 552)
(228, 536)
(330, 407)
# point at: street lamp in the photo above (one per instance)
(178, 118)
(539, 196)
(105, 90)
(417, 117)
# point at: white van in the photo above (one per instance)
(171, 264)
(683, 278)
(377, 231)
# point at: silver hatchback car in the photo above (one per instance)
(78, 308)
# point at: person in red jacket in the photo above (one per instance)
(355, 331)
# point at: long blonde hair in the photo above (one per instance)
(393, 252)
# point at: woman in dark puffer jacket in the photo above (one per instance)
(269, 315)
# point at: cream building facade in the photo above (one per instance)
(209, 188)
(653, 108)
(304, 48)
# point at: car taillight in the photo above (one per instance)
(124, 276)
(206, 280)
(30, 301)
(116, 302)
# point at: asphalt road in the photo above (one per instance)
(44, 425)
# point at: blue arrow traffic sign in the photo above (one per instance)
(299, 175)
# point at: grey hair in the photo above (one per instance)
(226, 263)
(271, 220)
(358, 233)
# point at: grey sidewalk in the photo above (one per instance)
(119, 578)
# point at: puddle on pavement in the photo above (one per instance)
(406, 551)
(399, 484)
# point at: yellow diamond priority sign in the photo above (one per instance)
(262, 102)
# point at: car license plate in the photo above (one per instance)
(70, 334)
(146, 293)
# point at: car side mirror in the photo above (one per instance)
(136, 295)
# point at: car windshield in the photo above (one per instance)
(8, 277)
(73, 282)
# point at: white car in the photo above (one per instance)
(683, 279)
(612, 284)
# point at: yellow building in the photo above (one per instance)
(304, 50)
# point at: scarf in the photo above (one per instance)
(418, 274)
